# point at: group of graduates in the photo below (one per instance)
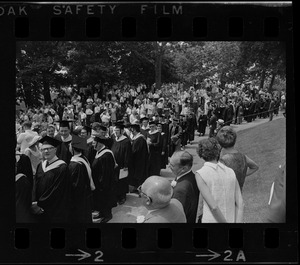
(85, 171)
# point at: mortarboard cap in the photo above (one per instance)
(87, 128)
(152, 123)
(102, 140)
(175, 119)
(64, 123)
(144, 119)
(49, 140)
(135, 125)
(102, 127)
(79, 142)
(120, 125)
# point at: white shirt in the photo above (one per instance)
(221, 181)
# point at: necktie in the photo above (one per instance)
(47, 163)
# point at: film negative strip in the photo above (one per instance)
(113, 25)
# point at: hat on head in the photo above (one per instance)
(135, 125)
(87, 128)
(64, 123)
(49, 140)
(79, 142)
(175, 119)
(34, 140)
(152, 123)
(120, 125)
(103, 128)
(102, 140)
(144, 119)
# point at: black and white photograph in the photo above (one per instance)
(150, 132)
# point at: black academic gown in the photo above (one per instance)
(123, 155)
(53, 194)
(154, 153)
(63, 150)
(105, 177)
(140, 159)
(23, 189)
(191, 127)
(145, 131)
(81, 194)
(24, 166)
(164, 148)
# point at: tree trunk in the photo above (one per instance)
(158, 61)
(27, 95)
(272, 82)
(46, 85)
(222, 81)
(262, 80)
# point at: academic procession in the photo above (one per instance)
(101, 128)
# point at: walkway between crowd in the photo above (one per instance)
(132, 208)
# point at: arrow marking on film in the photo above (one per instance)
(84, 255)
(214, 255)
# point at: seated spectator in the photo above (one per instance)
(241, 164)
(156, 193)
(222, 185)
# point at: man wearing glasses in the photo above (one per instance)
(52, 185)
(156, 193)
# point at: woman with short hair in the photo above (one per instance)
(222, 185)
(241, 164)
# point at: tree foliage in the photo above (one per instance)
(43, 66)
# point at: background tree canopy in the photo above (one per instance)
(44, 66)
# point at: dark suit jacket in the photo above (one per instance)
(187, 192)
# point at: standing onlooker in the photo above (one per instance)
(34, 153)
(222, 184)
(25, 137)
(241, 164)
(185, 186)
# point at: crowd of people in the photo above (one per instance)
(78, 157)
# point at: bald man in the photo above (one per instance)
(185, 186)
(156, 193)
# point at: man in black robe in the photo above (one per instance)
(82, 183)
(154, 143)
(123, 155)
(23, 189)
(52, 185)
(174, 136)
(140, 158)
(98, 130)
(191, 127)
(164, 146)
(64, 150)
(105, 176)
(145, 126)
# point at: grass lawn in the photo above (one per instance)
(266, 145)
